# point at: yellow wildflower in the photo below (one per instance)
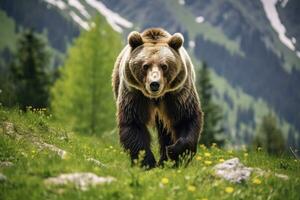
(198, 158)
(206, 154)
(221, 160)
(191, 188)
(245, 154)
(165, 181)
(208, 162)
(202, 146)
(229, 190)
(256, 181)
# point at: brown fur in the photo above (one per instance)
(176, 113)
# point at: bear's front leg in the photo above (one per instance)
(164, 138)
(134, 135)
(187, 131)
(136, 138)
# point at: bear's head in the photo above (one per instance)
(155, 64)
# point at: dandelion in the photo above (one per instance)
(191, 188)
(256, 181)
(198, 158)
(229, 190)
(206, 154)
(165, 181)
(208, 162)
(221, 160)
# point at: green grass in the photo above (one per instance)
(197, 181)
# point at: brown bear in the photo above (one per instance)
(153, 82)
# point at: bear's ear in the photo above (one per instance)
(176, 41)
(135, 39)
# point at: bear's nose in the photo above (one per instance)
(154, 86)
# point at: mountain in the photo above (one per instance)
(251, 47)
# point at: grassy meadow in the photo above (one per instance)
(32, 164)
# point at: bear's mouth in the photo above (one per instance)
(154, 94)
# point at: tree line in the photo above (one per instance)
(79, 94)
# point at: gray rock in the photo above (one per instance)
(4, 164)
(10, 130)
(81, 181)
(233, 171)
(282, 176)
(96, 162)
(2, 178)
(60, 152)
(261, 172)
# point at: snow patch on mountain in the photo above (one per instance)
(192, 44)
(181, 2)
(272, 14)
(79, 21)
(283, 3)
(114, 19)
(58, 3)
(76, 4)
(199, 19)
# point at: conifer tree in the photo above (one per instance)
(269, 137)
(212, 127)
(82, 97)
(30, 71)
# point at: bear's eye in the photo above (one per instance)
(145, 67)
(164, 67)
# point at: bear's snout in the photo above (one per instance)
(154, 83)
(154, 86)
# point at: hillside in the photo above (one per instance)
(33, 149)
(255, 67)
